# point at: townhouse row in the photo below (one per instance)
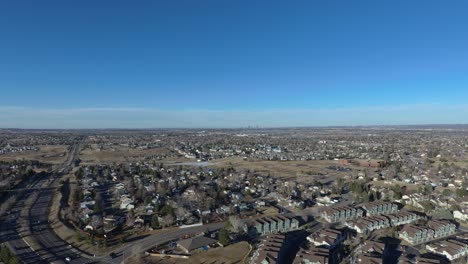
(450, 248)
(341, 214)
(433, 230)
(346, 213)
(375, 222)
(270, 225)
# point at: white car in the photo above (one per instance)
(67, 259)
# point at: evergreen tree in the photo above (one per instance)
(224, 238)
(155, 222)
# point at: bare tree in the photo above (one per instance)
(181, 212)
(130, 218)
(236, 223)
(96, 221)
(167, 220)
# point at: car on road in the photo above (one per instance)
(67, 259)
(113, 255)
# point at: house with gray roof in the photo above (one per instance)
(195, 243)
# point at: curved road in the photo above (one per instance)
(160, 238)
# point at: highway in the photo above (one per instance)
(10, 233)
(45, 246)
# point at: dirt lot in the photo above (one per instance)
(231, 254)
(47, 154)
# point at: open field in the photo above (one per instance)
(459, 163)
(286, 169)
(410, 186)
(119, 154)
(231, 254)
(54, 154)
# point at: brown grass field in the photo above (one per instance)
(231, 254)
(48, 154)
(301, 170)
(117, 154)
(285, 169)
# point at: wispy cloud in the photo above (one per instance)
(138, 117)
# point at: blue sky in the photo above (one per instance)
(85, 64)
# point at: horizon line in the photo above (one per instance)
(248, 127)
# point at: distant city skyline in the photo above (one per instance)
(218, 64)
(153, 118)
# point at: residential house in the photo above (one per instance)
(371, 252)
(313, 256)
(369, 259)
(111, 222)
(328, 238)
(196, 243)
(126, 203)
(269, 251)
(461, 215)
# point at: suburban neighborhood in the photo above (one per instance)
(363, 197)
